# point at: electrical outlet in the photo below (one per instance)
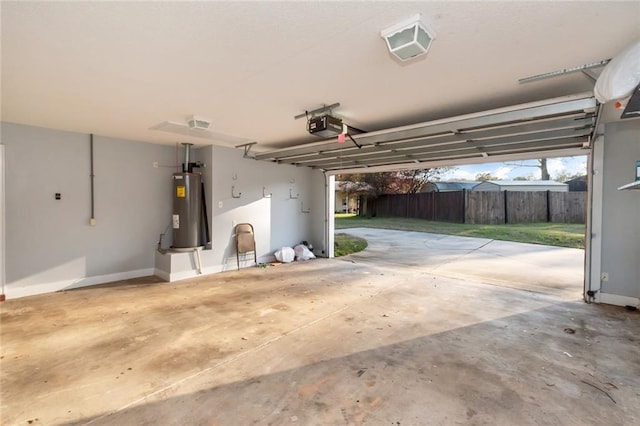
(155, 164)
(92, 221)
(604, 276)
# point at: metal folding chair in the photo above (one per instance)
(245, 241)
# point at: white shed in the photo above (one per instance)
(522, 185)
(448, 186)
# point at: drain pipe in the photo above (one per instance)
(196, 252)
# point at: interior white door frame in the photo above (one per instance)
(329, 219)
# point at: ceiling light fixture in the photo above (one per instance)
(408, 39)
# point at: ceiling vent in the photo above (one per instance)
(186, 129)
(408, 39)
(197, 122)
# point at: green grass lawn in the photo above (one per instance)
(346, 244)
(344, 215)
(552, 234)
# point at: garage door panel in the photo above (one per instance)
(557, 124)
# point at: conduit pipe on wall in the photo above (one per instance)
(92, 220)
(3, 263)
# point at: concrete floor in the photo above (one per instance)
(342, 341)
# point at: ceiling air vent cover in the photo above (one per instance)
(197, 122)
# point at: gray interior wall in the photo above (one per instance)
(621, 210)
(264, 192)
(50, 244)
(319, 212)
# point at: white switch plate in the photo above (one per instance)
(219, 204)
(155, 164)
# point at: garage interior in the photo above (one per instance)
(104, 324)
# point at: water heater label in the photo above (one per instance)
(176, 221)
(181, 191)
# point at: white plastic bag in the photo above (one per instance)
(285, 255)
(620, 76)
(303, 253)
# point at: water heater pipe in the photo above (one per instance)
(187, 152)
(205, 217)
(177, 161)
(196, 254)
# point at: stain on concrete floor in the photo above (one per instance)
(321, 342)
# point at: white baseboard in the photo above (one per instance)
(614, 299)
(16, 291)
(183, 275)
(162, 274)
(192, 273)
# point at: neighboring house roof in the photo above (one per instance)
(448, 186)
(526, 183)
(577, 184)
(521, 185)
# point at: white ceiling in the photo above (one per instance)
(118, 69)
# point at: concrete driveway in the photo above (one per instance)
(552, 270)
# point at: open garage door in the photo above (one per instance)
(553, 128)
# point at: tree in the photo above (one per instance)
(544, 173)
(542, 165)
(565, 176)
(486, 176)
(397, 182)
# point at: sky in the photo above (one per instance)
(513, 169)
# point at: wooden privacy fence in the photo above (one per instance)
(483, 207)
